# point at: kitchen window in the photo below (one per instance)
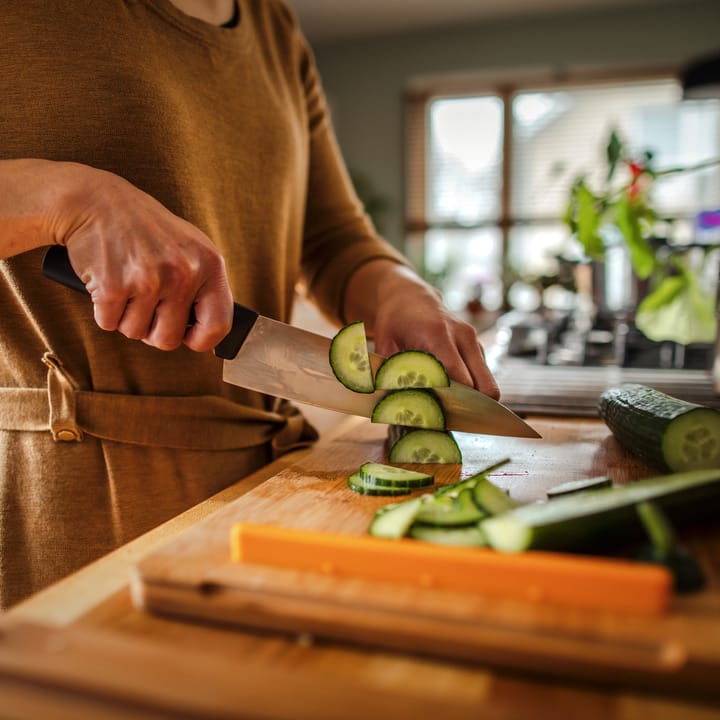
(489, 174)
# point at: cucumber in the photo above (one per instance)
(349, 358)
(411, 369)
(390, 476)
(357, 483)
(573, 486)
(426, 446)
(394, 521)
(667, 432)
(450, 511)
(596, 518)
(467, 536)
(491, 498)
(414, 408)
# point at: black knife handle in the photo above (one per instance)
(56, 266)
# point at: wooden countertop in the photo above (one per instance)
(81, 649)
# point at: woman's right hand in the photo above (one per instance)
(144, 267)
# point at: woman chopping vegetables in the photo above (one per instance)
(182, 152)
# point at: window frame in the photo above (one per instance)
(422, 92)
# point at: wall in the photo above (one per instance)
(365, 80)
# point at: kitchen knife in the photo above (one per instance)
(284, 361)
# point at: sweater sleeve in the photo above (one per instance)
(338, 234)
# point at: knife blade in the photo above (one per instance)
(274, 358)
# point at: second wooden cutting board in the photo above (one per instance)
(193, 576)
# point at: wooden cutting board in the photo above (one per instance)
(192, 577)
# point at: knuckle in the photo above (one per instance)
(130, 331)
(108, 294)
(198, 344)
(166, 343)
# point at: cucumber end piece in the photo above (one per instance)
(692, 441)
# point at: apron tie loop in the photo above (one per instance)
(62, 400)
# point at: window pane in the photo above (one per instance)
(561, 135)
(465, 265)
(464, 160)
(533, 249)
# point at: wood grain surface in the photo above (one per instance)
(192, 577)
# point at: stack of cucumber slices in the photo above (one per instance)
(409, 406)
(408, 376)
(377, 479)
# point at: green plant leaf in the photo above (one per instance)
(614, 153)
(628, 218)
(678, 310)
(587, 219)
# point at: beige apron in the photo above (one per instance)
(97, 469)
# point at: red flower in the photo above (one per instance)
(634, 188)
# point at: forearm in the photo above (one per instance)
(29, 189)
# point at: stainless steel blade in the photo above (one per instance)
(292, 363)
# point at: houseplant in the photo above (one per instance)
(676, 305)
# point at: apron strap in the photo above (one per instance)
(197, 422)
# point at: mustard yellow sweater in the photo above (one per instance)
(228, 128)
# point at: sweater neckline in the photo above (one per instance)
(205, 32)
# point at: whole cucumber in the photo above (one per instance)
(663, 430)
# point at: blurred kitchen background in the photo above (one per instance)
(543, 166)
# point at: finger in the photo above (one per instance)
(108, 305)
(109, 308)
(456, 367)
(138, 317)
(108, 314)
(474, 359)
(170, 324)
(213, 319)
(386, 346)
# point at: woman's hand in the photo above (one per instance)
(144, 267)
(402, 312)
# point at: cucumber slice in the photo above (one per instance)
(449, 511)
(573, 486)
(389, 476)
(581, 521)
(357, 483)
(414, 408)
(469, 536)
(491, 498)
(411, 369)
(349, 358)
(667, 432)
(426, 446)
(394, 521)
